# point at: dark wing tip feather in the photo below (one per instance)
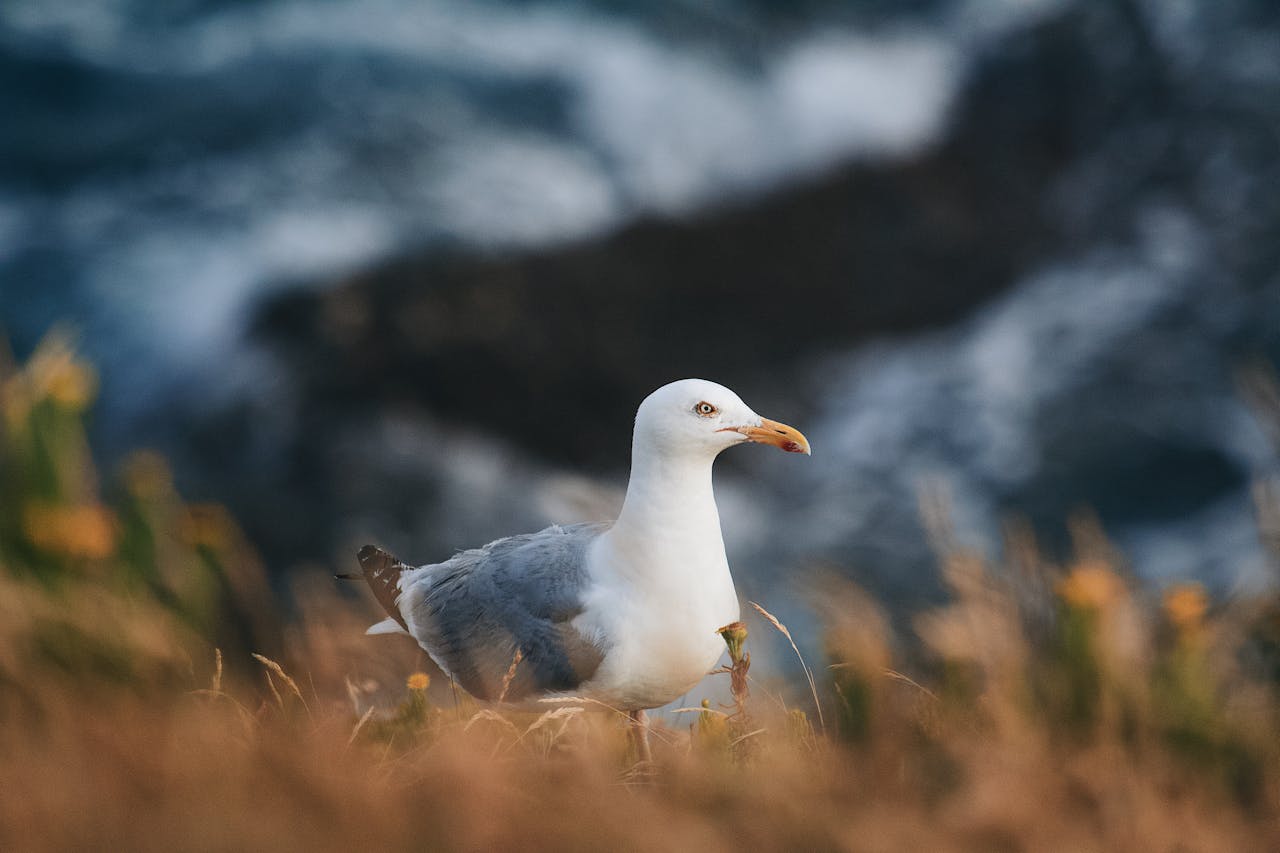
(382, 572)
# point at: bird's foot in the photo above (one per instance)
(639, 722)
(644, 770)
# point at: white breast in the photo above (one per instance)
(656, 611)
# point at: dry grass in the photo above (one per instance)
(169, 766)
(1043, 707)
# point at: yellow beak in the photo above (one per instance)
(779, 435)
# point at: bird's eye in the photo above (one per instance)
(705, 409)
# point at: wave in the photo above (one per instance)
(181, 160)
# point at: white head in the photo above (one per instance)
(697, 417)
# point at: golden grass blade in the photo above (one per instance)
(906, 679)
(359, 725)
(492, 716)
(553, 715)
(782, 629)
(564, 715)
(284, 676)
(353, 694)
(511, 674)
(699, 711)
(217, 671)
(583, 700)
(245, 714)
(274, 691)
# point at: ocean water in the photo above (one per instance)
(165, 166)
(1103, 384)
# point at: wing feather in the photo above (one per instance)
(472, 613)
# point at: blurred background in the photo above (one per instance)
(400, 272)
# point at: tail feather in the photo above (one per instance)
(382, 572)
(386, 626)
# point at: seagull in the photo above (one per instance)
(624, 613)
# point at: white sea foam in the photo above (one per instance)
(668, 125)
(645, 125)
(1125, 332)
(413, 136)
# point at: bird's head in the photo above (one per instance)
(694, 415)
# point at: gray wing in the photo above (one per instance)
(472, 613)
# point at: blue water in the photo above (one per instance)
(162, 165)
(165, 165)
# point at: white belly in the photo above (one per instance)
(659, 644)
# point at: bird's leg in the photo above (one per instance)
(640, 734)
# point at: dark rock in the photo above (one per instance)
(1082, 155)
(553, 349)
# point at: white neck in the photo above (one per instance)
(662, 583)
(669, 517)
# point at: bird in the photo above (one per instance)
(623, 613)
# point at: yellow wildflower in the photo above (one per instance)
(734, 634)
(74, 531)
(1092, 585)
(54, 372)
(1185, 604)
(72, 385)
(418, 681)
